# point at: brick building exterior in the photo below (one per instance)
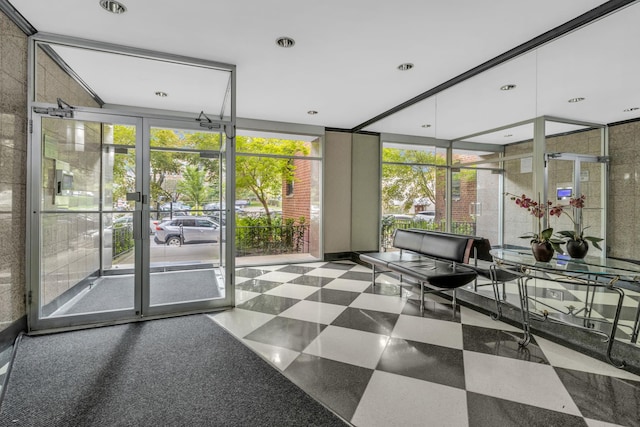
(296, 195)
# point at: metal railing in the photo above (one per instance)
(122, 239)
(388, 227)
(272, 240)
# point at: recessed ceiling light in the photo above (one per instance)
(285, 42)
(426, 125)
(405, 67)
(508, 87)
(628, 110)
(312, 112)
(162, 94)
(573, 100)
(113, 6)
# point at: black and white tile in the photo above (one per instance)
(372, 357)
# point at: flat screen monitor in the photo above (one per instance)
(564, 193)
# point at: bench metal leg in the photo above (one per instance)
(496, 292)
(373, 275)
(636, 326)
(453, 302)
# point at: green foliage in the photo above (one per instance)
(124, 166)
(263, 176)
(122, 239)
(259, 236)
(194, 187)
(414, 179)
(165, 163)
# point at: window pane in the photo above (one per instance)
(280, 195)
(416, 154)
(283, 147)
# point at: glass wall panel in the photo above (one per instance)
(278, 193)
(475, 194)
(185, 216)
(79, 238)
(517, 181)
(414, 182)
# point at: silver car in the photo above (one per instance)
(188, 229)
(428, 216)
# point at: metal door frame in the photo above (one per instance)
(141, 308)
(177, 307)
(578, 159)
(34, 191)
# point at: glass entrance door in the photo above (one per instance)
(572, 176)
(81, 224)
(123, 221)
(187, 217)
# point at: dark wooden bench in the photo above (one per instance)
(437, 261)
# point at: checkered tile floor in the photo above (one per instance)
(372, 358)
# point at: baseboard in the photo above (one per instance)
(342, 256)
(9, 334)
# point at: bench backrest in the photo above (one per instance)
(481, 245)
(443, 246)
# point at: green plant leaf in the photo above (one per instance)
(556, 246)
(566, 233)
(546, 234)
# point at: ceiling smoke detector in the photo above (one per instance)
(113, 6)
(162, 94)
(285, 42)
(405, 67)
(508, 87)
(427, 125)
(508, 135)
(574, 100)
(312, 112)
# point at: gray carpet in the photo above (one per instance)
(184, 371)
(116, 292)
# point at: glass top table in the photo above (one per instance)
(560, 264)
(591, 272)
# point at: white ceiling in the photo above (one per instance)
(344, 62)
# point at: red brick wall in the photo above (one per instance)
(460, 205)
(299, 203)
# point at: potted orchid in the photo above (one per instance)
(576, 241)
(543, 244)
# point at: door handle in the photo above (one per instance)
(137, 197)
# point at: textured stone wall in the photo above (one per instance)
(13, 151)
(624, 192)
(53, 83)
(69, 236)
(561, 175)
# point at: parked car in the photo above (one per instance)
(127, 221)
(191, 229)
(175, 207)
(398, 217)
(428, 216)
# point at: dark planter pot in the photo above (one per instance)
(577, 248)
(542, 252)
